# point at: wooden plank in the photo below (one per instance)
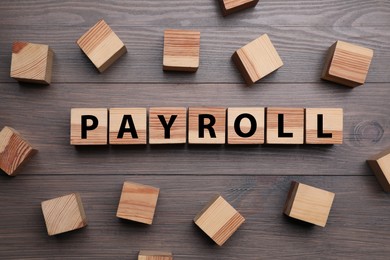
(302, 49)
(44, 120)
(197, 13)
(351, 231)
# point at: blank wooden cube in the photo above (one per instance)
(101, 45)
(219, 220)
(285, 125)
(89, 126)
(154, 255)
(308, 204)
(206, 125)
(127, 126)
(380, 165)
(245, 125)
(138, 202)
(324, 125)
(181, 50)
(64, 214)
(232, 6)
(347, 64)
(31, 62)
(257, 59)
(14, 151)
(167, 125)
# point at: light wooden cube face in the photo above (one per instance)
(285, 125)
(206, 125)
(31, 62)
(101, 45)
(347, 64)
(64, 214)
(231, 6)
(14, 151)
(138, 202)
(246, 125)
(95, 120)
(324, 126)
(167, 125)
(154, 255)
(380, 165)
(127, 126)
(257, 59)
(219, 220)
(309, 204)
(181, 50)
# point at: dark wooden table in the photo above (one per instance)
(255, 179)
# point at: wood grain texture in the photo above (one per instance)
(332, 125)
(181, 50)
(175, 119)
(96, 132)
(64, 214)
(136, 124)
(101, 45)
(303, 58)
(284, 120)
(347, 64)
(245, 125)
(366, 129)
(257, 59)
(31, 62)
(380, 165)
(259, 198)
(206, 125)
(14, 151)
(138, 202)
(219, 220)
(154, 255)
(232, 6)
(308, 203)
(254, 179)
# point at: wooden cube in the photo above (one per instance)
(31, 62)
(154, 255)
(257, 59)
(138, 202)
(245, 125)
(347, 64)
(206, 125)
(167, 125)
(285, 125)
(308, 204)
(232, 6)
(127, 126)
(219, 220)
(181, 50)
(64, 214)
(89, 126)
(14, 151)
(101, 45)
(324, 125)
(380, 165)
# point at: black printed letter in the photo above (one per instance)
(237, 125)
(320, 128)
(281, 132)
(209, 126)
(85, 127)
(167, 127)
(131, 129)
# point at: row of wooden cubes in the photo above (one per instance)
(346, 63)
(212, 125)
(218, 219)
